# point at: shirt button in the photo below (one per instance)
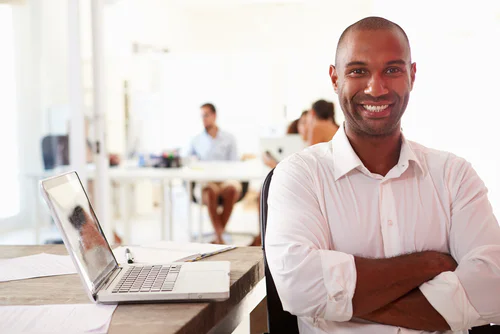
(389, 222)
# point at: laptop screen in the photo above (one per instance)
(84, 237)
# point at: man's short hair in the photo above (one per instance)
(324, 110)
(370, 23)
(209, 106)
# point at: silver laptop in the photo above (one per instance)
(103, 278)
(281, 147)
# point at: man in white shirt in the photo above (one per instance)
(213, 144)
(373, 233)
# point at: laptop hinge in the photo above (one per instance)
(109, 279)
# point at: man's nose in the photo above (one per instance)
(376, 86)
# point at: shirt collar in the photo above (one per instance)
(208, 136)
(345, 159)
(408, 154)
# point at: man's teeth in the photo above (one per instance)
(375, 108)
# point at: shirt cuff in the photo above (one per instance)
(446, 294)
(339, 276)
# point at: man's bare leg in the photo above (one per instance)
(210, 196)
(229, 195)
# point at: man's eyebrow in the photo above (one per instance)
(396, 62)
(362, 63)
(355, 63)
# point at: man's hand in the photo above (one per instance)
(382, 281)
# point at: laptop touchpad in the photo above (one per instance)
(202, 281)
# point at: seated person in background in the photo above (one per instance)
(213, 144)
(302, 126)
(321, 122)
(293, 128)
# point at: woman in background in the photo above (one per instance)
(321, 122)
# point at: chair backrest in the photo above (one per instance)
(278, 320)
(55, 151)
(486, 329)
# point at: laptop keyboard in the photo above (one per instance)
(148, 279)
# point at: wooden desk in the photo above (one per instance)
(247, 291)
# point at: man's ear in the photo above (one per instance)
(334, 77)
(413, 71)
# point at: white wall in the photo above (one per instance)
(28, 74)
(42, 96)
(453, 106)
(252, 60)
(9, 192)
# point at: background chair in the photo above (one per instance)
(281, 321)
(55, 151)
(244, 190)
(278, 320)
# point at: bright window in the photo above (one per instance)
(9, 191)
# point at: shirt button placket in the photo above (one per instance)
(383, 205)
(392, 238)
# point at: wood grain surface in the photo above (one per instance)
(247, 269)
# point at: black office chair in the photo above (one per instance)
(281, 321)
(486, 329)
(278, 320)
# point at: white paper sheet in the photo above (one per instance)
(145, 255)
(38, 265)
(166, 252)
(68, 318)
(192, 247)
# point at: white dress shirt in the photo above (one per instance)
(325, 207)
(220, 148)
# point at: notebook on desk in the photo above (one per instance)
(104, 280)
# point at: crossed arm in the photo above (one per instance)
(417, 291)
(386, 290)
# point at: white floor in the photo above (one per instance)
(145, 228)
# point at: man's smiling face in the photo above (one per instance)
(373, 77)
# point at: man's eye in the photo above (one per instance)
(393, 70)
(358, 71)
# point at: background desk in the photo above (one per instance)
(247, 291)
(125, 177)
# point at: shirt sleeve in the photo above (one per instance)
(311, 279)
(189, 150)
(468, 297)
(233, 151)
